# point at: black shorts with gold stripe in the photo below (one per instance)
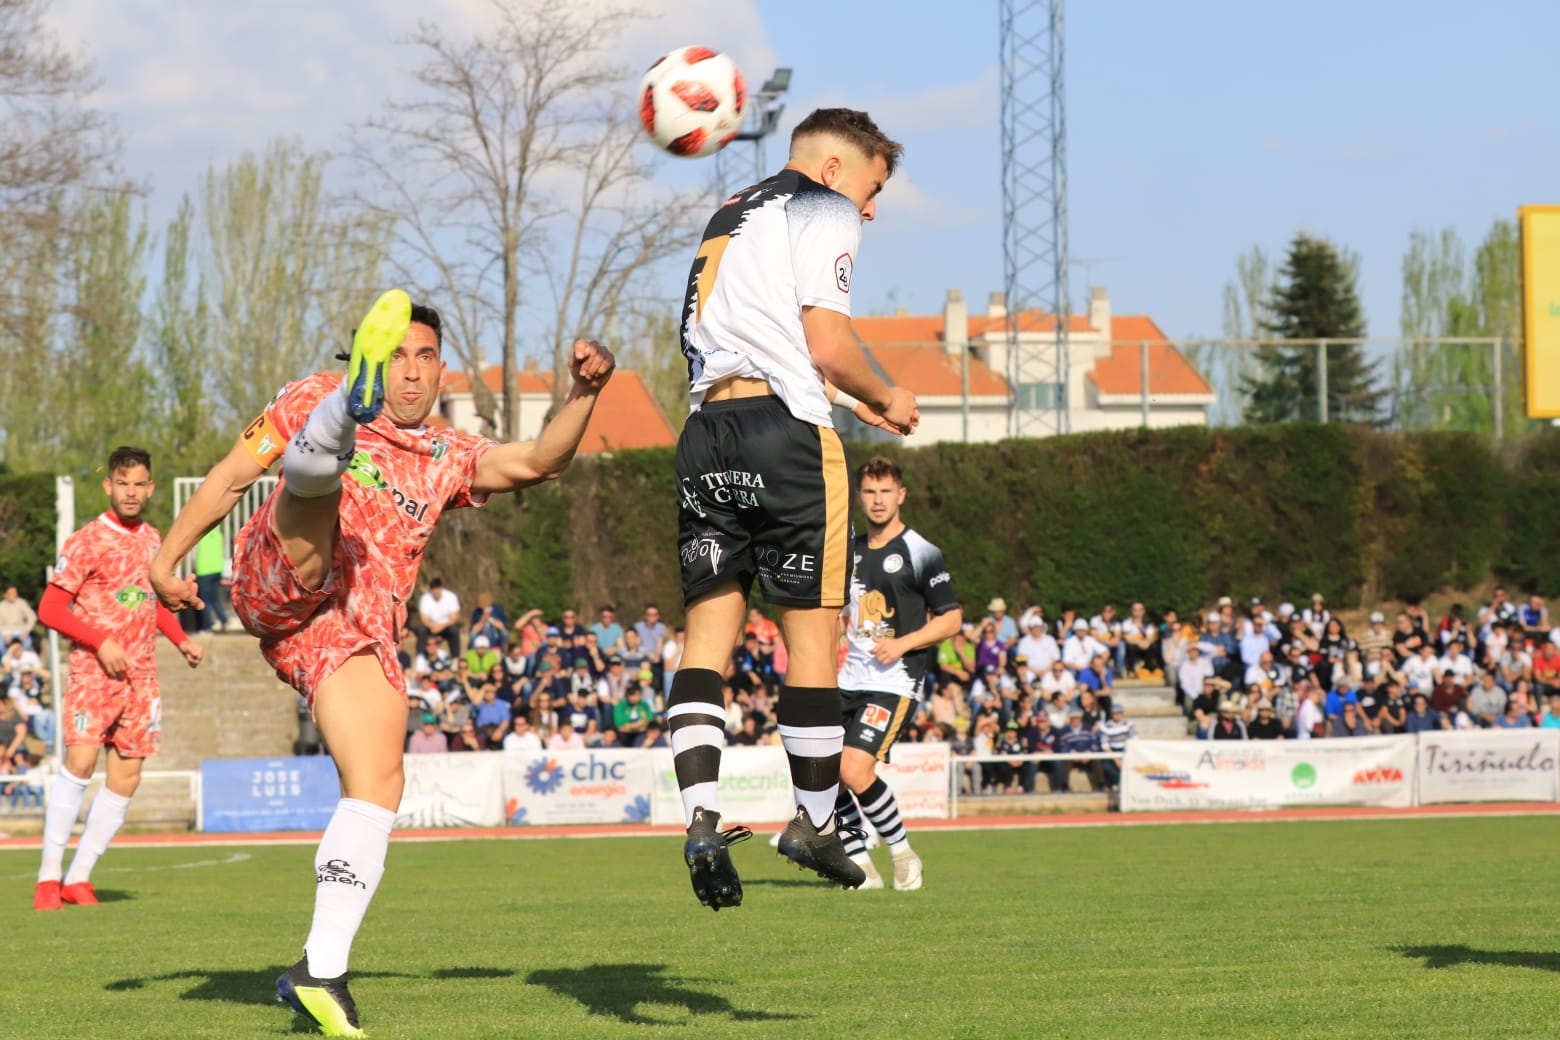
(873, 721)
(763, 494)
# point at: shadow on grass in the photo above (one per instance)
(113, 895)
(472, 973)
(257, 986)
(619, 990)
(1448, 956)
(805, 882)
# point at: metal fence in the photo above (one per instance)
(1451, 383)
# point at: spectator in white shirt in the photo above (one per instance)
(1419, 671)
(439, 612)
(1058, 680)
(1039, 646)
(1140, 638)
(1079, 650)
(1456, 663)
(1316, 615)
(1310, 714)
(1193, 671)
(1105, 627)
(522, 737)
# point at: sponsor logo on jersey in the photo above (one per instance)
(60, 564)
(938, 579)
(690, 497)
(131, 597)
(441, 448)
(892, 562)
(705, 547)
(874, 607)
(876, 716)
(842, 272)
(367, 473)
(337, 871)
(80, 721)
(734, 486)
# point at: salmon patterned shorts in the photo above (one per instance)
(124, 714)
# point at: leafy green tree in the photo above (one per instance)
(1314, 298)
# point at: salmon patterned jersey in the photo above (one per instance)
(105, 567)
(398, 483)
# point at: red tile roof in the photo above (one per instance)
(626, 416)
(931, 370)
(1168, 370)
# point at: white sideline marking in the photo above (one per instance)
(235, 857)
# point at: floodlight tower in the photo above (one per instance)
(1034, 211)
(759, 119)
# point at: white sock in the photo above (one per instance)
(64, 806)
(103, 822)
(318, 454)
(347, 869)
(810, 749)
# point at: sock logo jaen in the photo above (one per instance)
(338, 871)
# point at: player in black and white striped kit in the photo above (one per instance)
(902, 605)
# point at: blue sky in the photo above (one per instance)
(1195, 130)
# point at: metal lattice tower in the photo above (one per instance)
(1034, 210)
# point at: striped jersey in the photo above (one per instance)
(894, 588)
(785, 243)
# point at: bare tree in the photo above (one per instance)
(508, 163)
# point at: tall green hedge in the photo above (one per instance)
(27, 517)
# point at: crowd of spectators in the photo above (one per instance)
(27, 721)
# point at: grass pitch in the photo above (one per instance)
(1368, 929)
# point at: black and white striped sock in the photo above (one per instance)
(881, 809)
(696, 717)
(847, 816)
(810, 729)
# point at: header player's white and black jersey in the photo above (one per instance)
(772, 249)
(892, 589)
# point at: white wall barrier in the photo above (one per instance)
(1262, 774)
(1489, 765)
(596, 786)
(452, 790)
(919, 776)
(754, 787)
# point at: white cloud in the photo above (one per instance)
(955, 106)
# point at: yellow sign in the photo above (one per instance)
(1540, 230)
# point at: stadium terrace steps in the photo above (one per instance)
(1151, 707)
(232, 706)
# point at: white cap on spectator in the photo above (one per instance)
(1285, 609)
(1225, 601)
(1080, 625)
(481, 643)
(1377, 617)
(997, 604)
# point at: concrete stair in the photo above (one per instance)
(1151, 708)
(232, 706)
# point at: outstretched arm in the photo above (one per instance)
(510, 467)
(213, 500)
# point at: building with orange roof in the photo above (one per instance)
(626, 416)
(957, 364)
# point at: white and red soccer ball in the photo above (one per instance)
(691, 101)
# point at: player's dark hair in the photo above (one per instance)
(125, 457)
(879, 467)
(855, 127)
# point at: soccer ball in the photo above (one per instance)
(691, 100)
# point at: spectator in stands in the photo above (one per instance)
(609, 634)
(1339, 696)
(439, 612)
(516, 664)
(1076, 738)
(568, 627)
(1264, 674)
(1105, 627)
(544, 712)
(1079, 648)
(1551, 716)
(1037, 646)
(632, 716)
(18, 657)
(1422, 717)
(491, 620)
(491, 715)
(1419, 670)
(1516, 660)
(1006, 775)
(990, 650)
(650, 629)
(1006, 628)
(1114, 734)
(1310, 716)
(1457, 665)
(454, 716)
(614, 686)
(761, 626)
(1254, 640)
(481, 658)
(1498, 610)
(1394, 712)
(1192, 672)
(1406, 639)
(1546, 667)
(1453, 626)
(521, 737)
(1266, 725)
(530, 632)
(1140, 636)
(1383, 668)
(1220, 649)
(433, 653)
(1333, 646)
(1376, 638)
(1286, 703)
(1348, 724)
(1486, 702)
(1228, 725)
(27, 688)
(1522, 697)
(427, 739)
(1513, 717)
(1316, 615)
(1205, 706)
(1099, 678)
(17, 618)
(13, 729)
(747, 734)
(956, 659)
(1534, 617)
(565, 737)
(654, 736)
(637, 655)
(468, 738)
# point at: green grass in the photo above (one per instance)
(1368, 929)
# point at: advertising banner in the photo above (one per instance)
(1539, 230)
(452, 790)
(1489, 765)
(918, 775)
(595, 786)
(1266, 774)
(755, 787)
(249, 795)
